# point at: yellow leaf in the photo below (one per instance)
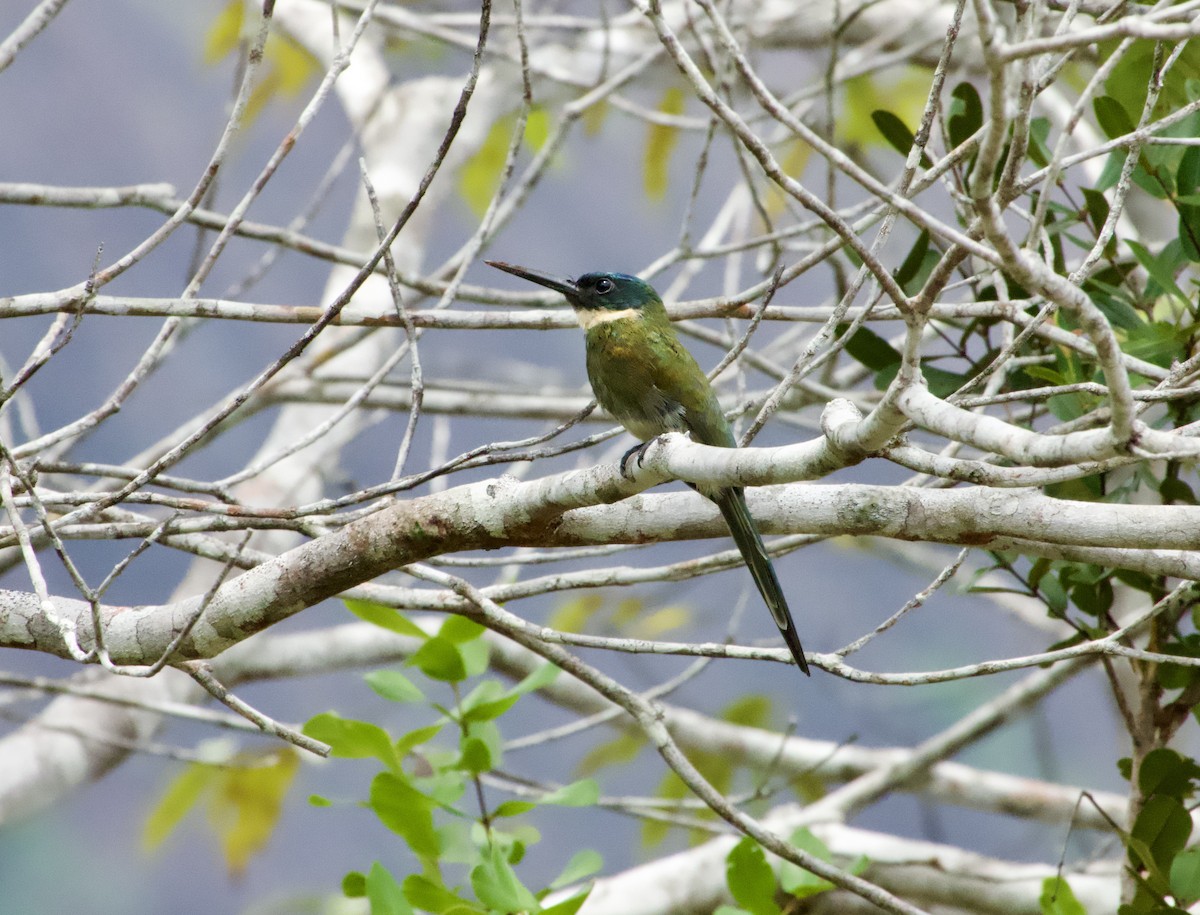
(628, 609)
(225, 33)
(593, 118)
(809, 786)
(660, 142)
(181, 796)
(899, 90)
(620, 749)
(537, 128)
(573, 616)
(286, 68)
(292, 61)
(671, 788)
(248, 804)
(652, 625)
(480, 176)
(793, 159)
(753, 711)
(266, 86)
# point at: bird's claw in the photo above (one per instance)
(639, 450)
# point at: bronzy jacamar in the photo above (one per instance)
(645, 378)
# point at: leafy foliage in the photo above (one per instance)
(243, 798)
(432, 794)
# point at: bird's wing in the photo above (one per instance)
(678, 378)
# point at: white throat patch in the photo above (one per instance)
(590, 317)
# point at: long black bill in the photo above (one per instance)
(557, 283)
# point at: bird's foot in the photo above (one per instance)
(638, 450)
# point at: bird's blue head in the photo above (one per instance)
(593, 292)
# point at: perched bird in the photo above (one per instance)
(645, 378)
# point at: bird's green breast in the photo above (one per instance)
(649, 382)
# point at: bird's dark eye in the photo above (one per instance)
(604, 286)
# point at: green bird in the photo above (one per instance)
(645, 378)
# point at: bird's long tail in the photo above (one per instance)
(732, 502)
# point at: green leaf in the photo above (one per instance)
(897, 134)
(432, 896)
(660, 143)
(1111, 173)
(476, 756)
(583, 864)
(1097, 207)
(415, 738)
(497, 886)
(1173, 489)
(408, 813)
(484, 692)
(750, 878)
(872, 350)
(1156, 182)
(583, 793)
(1037, 149)
(475, 655)
(488, 734)
(1093, 598)
(796, 880)
(384, 893)
(177, 801)
(1159, 342)
(385, 618)
(569, 906)
(447, 787)
(459, 629)
(1054, 595)
(966, 114)
(1187, 180)
(917, 266)
(1185, 876)
(1112, 117)
(942, 383)
(1163, 827)
(513, 809)
(354, 885)
(543, 676)
(486, 711)
(1113, 304)
(1058, 899)
(439, 659)
(1164, 771)
(1180, 676)
(352, 739)
(394, 686)
(1044, 373)
(487, 701)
